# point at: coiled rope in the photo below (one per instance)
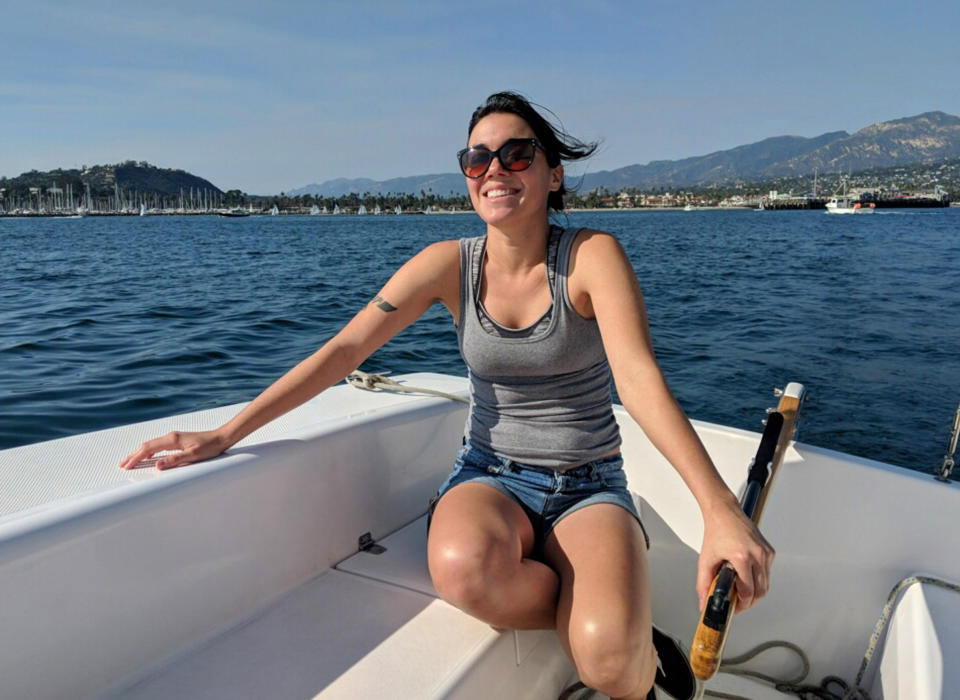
(379, 382)
(831, 687)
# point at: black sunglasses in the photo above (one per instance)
(514, 154)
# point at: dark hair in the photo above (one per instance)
(558, 145)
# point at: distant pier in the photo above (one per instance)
(789, 203)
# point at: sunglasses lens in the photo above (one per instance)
(475, 161)
(517, 155)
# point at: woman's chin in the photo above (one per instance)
(503, 211)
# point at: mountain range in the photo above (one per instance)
(924, 138)
(441, 184)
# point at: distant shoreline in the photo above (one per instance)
(577, 210)
(135, 215)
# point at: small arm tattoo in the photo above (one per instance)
(383, 304)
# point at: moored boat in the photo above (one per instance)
(233, 213)
(257, 574)
(844, 204)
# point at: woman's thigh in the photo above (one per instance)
(475, 525)
(603, 610)
(478, 553)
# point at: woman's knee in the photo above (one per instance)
(468, 574)
(614, 662)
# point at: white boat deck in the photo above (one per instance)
(370, 627)
(240, 577)
(57, 472)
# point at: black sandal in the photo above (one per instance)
(674, 674)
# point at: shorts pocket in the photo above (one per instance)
(614, 479)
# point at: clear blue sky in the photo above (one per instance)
(267, 97)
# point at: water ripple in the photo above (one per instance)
(100, 325)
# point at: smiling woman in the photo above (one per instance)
(547, 317)
(552, 142)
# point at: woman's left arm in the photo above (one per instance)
(604, 285)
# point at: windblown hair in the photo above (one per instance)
(558, 145)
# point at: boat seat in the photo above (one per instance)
(404, 564)
(918, 658)
(370, 627)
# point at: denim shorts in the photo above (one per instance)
(546, 495)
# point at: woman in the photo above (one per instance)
(544, 317)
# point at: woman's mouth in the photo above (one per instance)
(498, 192)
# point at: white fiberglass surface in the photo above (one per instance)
(845, 529)
(338, 636)
(186, 554)
(921, 646)
(130, 576)
(44, 475)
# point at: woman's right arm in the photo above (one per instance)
(432, 275)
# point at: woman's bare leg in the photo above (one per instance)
(603, 612)
(478, 548)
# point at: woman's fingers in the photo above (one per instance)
(746, 589)
(190, 448)
(182, 458)
(170, 441)
(753, 577)
(729, 536)
(706, 572)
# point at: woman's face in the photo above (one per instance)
(500, 196)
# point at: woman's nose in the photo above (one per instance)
(495, 165)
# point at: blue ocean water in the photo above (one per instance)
(106, 321)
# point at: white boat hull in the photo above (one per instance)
(239, 577)
(839, 210)
(844, 205)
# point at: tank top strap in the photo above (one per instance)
(564, 251)
(469, 249)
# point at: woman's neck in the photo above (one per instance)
(518, 248)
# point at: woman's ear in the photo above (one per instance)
(556, 178)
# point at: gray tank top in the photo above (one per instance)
(539, 395)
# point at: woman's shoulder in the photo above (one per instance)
(441, 250)
(597, 261)
(438, 259)
(595, 246)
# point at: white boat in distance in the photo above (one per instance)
(294, 565)
(846, 205)
(843, 204)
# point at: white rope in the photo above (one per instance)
(831, 687)
(378, 382)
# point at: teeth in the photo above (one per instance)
(498, 193)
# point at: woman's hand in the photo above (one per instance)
(194, 447)
(730, 536)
